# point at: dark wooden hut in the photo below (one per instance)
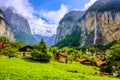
(60, 57)
(25, 49)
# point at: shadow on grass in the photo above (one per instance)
(32, 60)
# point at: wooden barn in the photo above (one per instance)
(24, 50)
(60, 57)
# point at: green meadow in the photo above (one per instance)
(28, 69)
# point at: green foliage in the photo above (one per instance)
(43, 47)
(10, 52)
(104, 47)
(54, 50)
(41, 52)
(70, 57)
(4, 39)
(27, 69)
(113, 58)
(18, 44)
(41, 56)
(70, 40)
(86, 56)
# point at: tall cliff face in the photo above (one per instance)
(19, 26)
(99, 28)
(18, 22)
(67, 24)
(99, 25)
(5, 29)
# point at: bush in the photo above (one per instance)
(10, 52)
(113, 58)
(4, 39)
(86, 56)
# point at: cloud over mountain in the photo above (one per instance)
(45, 24)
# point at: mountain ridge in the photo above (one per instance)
(98, 26)
(19, 25)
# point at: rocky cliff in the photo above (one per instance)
(5, 29)
(67, 24)
(19, 25)
(99, 25)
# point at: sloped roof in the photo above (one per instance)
(63, 54)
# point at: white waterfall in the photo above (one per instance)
(95, 30)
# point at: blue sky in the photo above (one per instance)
(55, 4)
(44, 15)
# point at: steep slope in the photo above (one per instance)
(19, 26)
(99, 25)
(5, 29)
(67, 24)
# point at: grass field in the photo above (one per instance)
(26, 69)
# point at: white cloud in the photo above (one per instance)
(54, 16)
(89, 4)
(37, 24)
(22, 7)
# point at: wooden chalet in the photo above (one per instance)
(100, 62)
(95, 61)
(3, 45)
(60, 57)
(25, 49)
(87, 62)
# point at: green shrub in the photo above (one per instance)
(4, 39)
(113, 58)
(86, 56)
(10, 52)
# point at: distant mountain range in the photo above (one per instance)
(20, 29)
(49, 40)
(99, 25)
(19, 25)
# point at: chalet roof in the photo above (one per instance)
(25, 48)
(100, 63)
(63, 54)
(82, 60)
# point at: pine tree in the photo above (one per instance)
(43, 46)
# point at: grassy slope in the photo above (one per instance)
(25, 69)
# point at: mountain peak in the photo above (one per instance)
(105, 5)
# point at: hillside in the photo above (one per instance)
(22, 69)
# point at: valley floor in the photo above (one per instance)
(27, 69)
